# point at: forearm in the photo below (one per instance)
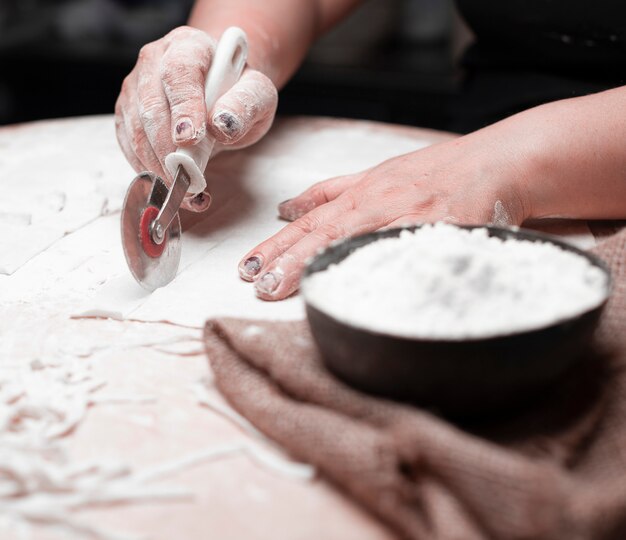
(570, 156)
(280, 32)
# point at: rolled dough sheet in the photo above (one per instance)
(53, 184)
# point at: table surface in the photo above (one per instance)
(112, 381)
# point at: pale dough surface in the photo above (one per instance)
(138, 407)
(61, 258)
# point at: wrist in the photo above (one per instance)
(275, 49)
(498, 158)
(523, 153)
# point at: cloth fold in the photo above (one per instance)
(552, 472)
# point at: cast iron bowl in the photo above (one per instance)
(457, 378)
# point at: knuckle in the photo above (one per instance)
(150, 109)
(427, 202)
(184, 77)
(190, 39)
(260, 79)
(349, 200)
(120, 125)
(319, 193)
(306, 224)
(182, 32)
(171, 72)
(120, 132)
(272, 247)
(329, 232)
(145, 52)
(256, 97)
(119, 110)
(126, 85)
(147, 119)
(188, 100)
(138, 139)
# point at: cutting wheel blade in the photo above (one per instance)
(152, 265)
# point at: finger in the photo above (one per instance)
(122, 138)
(138, 140)
(153, 109)
(199, 203)
(255, 261)
(258, 260)
(281, 277)
(130, 155)
(317, 195)
(245, 113)
(183, 71)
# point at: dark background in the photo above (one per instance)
(393, 60)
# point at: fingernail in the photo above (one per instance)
(201, 202)
(268, 283)
(289, 212)
(228, 123)
(184, 130)
(250, 267)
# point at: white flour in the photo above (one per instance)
(450, 283)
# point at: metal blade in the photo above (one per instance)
(145, 190)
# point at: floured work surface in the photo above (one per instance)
(111, 428)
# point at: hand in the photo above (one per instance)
(466, 180)
(161, 104)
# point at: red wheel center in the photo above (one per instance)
(150, 247)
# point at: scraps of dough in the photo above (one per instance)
(42, 402)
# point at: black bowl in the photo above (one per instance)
(458, 378)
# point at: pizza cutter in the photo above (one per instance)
(151, 233)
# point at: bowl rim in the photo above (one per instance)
(509, 231)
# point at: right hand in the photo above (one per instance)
(161, 104)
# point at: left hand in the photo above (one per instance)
(468, 180)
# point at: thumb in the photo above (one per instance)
(245, 113)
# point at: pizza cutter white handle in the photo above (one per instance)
(226, 67)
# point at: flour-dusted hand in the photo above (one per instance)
(562, 159)
(457, 181)
(161, 105)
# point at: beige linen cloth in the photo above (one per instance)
(557, 471)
